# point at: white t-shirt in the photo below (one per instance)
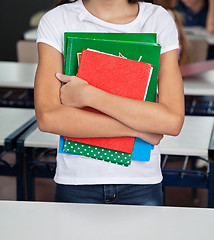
(74, 17)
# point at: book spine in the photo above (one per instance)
(132, 37)
(65, 49)
(68, 67)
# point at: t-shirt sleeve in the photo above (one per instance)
(168, 35)
(50, 31)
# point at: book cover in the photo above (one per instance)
(115, 75)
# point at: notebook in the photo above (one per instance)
(127, 37)
(138, 51)
(115, 75)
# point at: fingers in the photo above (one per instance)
(63, 78)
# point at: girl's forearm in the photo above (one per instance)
(164, 117)
(72, 122)
(140, 115)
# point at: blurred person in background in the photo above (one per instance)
(169, 5)
(198, 13)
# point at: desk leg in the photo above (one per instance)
(29, 176)
(211, 186)
(20, 176)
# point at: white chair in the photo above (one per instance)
(26, 51)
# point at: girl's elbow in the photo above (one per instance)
(176, 125)
(157, 140)
(43, 122)
(176, 131)
(46, 117)
(42, 126)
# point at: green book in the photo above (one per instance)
(130, 37)
(143, 51)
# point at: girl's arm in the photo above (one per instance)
(210, 17)
(164, 117)
(54, 117)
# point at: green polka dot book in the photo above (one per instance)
(99, 153)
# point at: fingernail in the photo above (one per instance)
(58, 75)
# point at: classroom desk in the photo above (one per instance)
(17, 75)
(13, 123)
(12, 119)
(34, 144)
(195, 140)
(199, 89)
(200, 84)
(199, 33)
(41, 140)
(53, 221)
(17, 84)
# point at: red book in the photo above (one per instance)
(119, 76)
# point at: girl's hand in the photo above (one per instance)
(72, 92)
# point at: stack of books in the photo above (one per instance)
(125, 64)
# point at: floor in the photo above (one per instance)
(45, 190)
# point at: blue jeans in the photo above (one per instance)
(129, 194)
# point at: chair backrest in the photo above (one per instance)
(198, 50)
(26, 51)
